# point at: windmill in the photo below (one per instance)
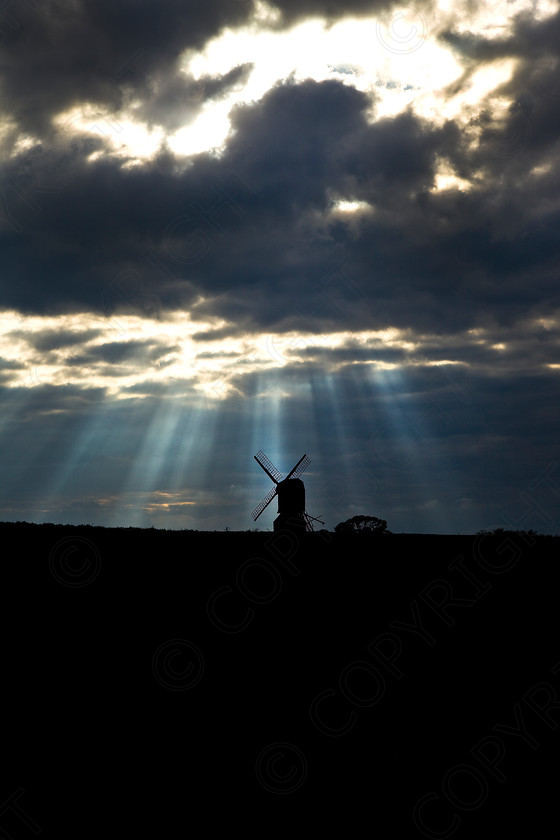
(291, 496)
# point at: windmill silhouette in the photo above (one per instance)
(291, 496)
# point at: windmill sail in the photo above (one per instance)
(300, 467)
(268, 466)
(266, 501)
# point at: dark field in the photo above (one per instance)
(154, 681)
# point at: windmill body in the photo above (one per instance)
(291, 496)
(291, 505)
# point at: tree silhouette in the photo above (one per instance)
(362, 525)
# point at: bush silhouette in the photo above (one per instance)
(362, 525)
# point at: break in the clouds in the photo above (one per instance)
(233, 226)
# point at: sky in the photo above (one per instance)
(297, 227)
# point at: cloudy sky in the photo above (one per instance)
(302, 227)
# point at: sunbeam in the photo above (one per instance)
(403, 449)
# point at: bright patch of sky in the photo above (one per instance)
(398, 59)
(166, 355)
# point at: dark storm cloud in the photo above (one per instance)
(294, 10)
(47, 340)
(533, 124)
(9, 370)
(246, 236)
(530, 38)
(148, 236)
(169, 389)
(130, 352)
(217, 354)
(61, 346)
(9, 364)
(177, 100)
(60, 53)
(249, 235)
